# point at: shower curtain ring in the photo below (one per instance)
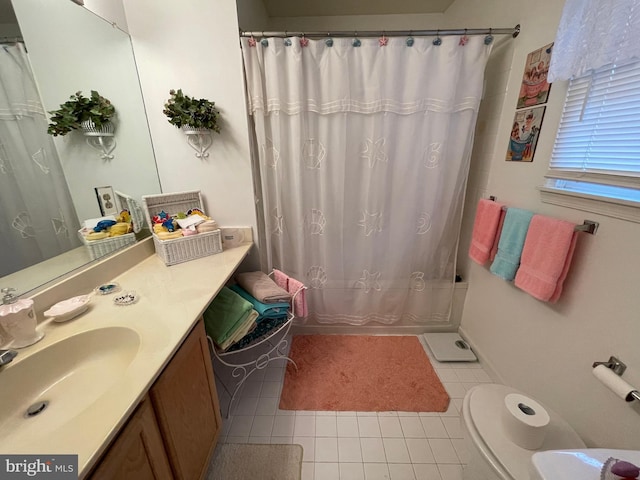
(464, 39)
(356, 41)
(409, 41)
(382, 41)
(329, 41)
(489, 38)
(437, 41)
(264, 42)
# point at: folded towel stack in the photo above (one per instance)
(228, 318)
(262, 288)
(546, 257)
(263, 327)
(512, 236)
(485, 230)
(265, 310)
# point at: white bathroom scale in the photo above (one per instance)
(449, 347)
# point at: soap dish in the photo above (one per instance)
(68, 309)
(107, 288)
(126, 298)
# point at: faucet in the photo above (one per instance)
(6, 356)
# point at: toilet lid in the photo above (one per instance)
(486, 403)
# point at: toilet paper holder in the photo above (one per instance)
(618, 368)
(614, 364)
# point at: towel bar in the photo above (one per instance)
(588, 226)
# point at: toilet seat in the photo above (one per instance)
(482, 413)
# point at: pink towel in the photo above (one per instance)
(496, 240)
(485, 229)
(300, 302)
(546, 257)
(281, 279)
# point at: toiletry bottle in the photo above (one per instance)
(18, 319)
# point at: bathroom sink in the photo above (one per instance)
(60, 381)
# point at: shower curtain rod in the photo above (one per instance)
(11, 39)
(514, 32)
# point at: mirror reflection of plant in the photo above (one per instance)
(183, 110)
(79, 109)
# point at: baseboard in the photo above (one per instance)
(368, 329)
(486, 364)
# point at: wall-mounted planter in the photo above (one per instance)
(200, 139)
(184, 111)
(83, 111)
(101, 138)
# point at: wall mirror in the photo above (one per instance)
(66, 48)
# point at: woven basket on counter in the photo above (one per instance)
(182, 249)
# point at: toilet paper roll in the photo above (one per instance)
(525, 421)
(614, 382)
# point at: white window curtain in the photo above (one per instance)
(595, 33)
(37, 217)
(363, 157)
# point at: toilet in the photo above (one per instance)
(492, 455)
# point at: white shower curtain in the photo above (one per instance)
(37, 217)
(363, 157)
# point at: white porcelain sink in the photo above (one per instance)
(69, 376)
(584, 464)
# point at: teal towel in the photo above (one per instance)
(262, 328)
(265, 310)
(225, 315)
(514, 231)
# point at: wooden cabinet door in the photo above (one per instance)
(138, 452)
(186, 405)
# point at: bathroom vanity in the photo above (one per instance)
(176, 426)
(130, 389)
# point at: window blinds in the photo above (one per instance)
(599, 131)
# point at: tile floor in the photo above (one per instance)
(357, 445)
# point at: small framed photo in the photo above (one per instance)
(106, 201)
(534, 89)
(525, 132)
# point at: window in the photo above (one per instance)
(596, 156)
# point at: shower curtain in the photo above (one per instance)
(37, 217)
(362, 151)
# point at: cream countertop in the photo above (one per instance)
(171, 301)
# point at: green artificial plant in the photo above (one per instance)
(79, 109)
(183, 110)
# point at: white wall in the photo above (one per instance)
(421, 21)
(194, 46)
(72, 49)
(252, 15)
(547, 350)
(110, 10)
(10, 30)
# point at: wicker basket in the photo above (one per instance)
(100, 248)
(182, 249)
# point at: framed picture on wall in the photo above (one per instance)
(525, 132)
(534, 89)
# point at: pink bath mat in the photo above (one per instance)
(361, 373)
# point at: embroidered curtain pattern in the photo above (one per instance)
(363, 154)
(595, 33)
(37, 218)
